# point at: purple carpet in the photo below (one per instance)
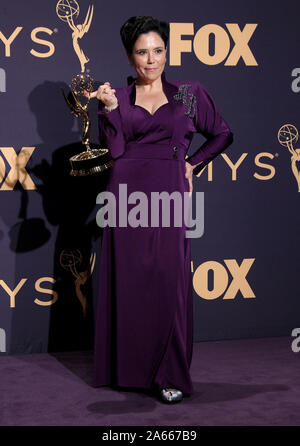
(248, 382)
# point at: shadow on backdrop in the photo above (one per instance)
(69, 205)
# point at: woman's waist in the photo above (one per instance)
(134, 149)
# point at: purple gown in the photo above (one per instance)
(144, 316)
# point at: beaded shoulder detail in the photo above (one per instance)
(188, 99)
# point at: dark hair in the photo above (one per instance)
(137, 25)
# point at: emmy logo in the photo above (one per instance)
(287, 137)
(67, 11)
(70, 259)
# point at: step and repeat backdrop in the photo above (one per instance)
(246, 264)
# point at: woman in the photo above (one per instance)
(144, 319)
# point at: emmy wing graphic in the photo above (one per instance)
(287, 135)
(67, 11)
(69, 260)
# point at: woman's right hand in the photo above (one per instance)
(105, 94)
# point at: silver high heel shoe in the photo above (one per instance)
(171, 395)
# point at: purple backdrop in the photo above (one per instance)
(246, 264)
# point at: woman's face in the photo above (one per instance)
(148, 56)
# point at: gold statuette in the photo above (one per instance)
(90, 161)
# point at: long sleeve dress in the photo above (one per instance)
(144, 315)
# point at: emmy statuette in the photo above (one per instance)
(91, 161)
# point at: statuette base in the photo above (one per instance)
(90, 162)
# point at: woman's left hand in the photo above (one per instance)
(189, 175)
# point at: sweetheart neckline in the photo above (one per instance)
(136, 105)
